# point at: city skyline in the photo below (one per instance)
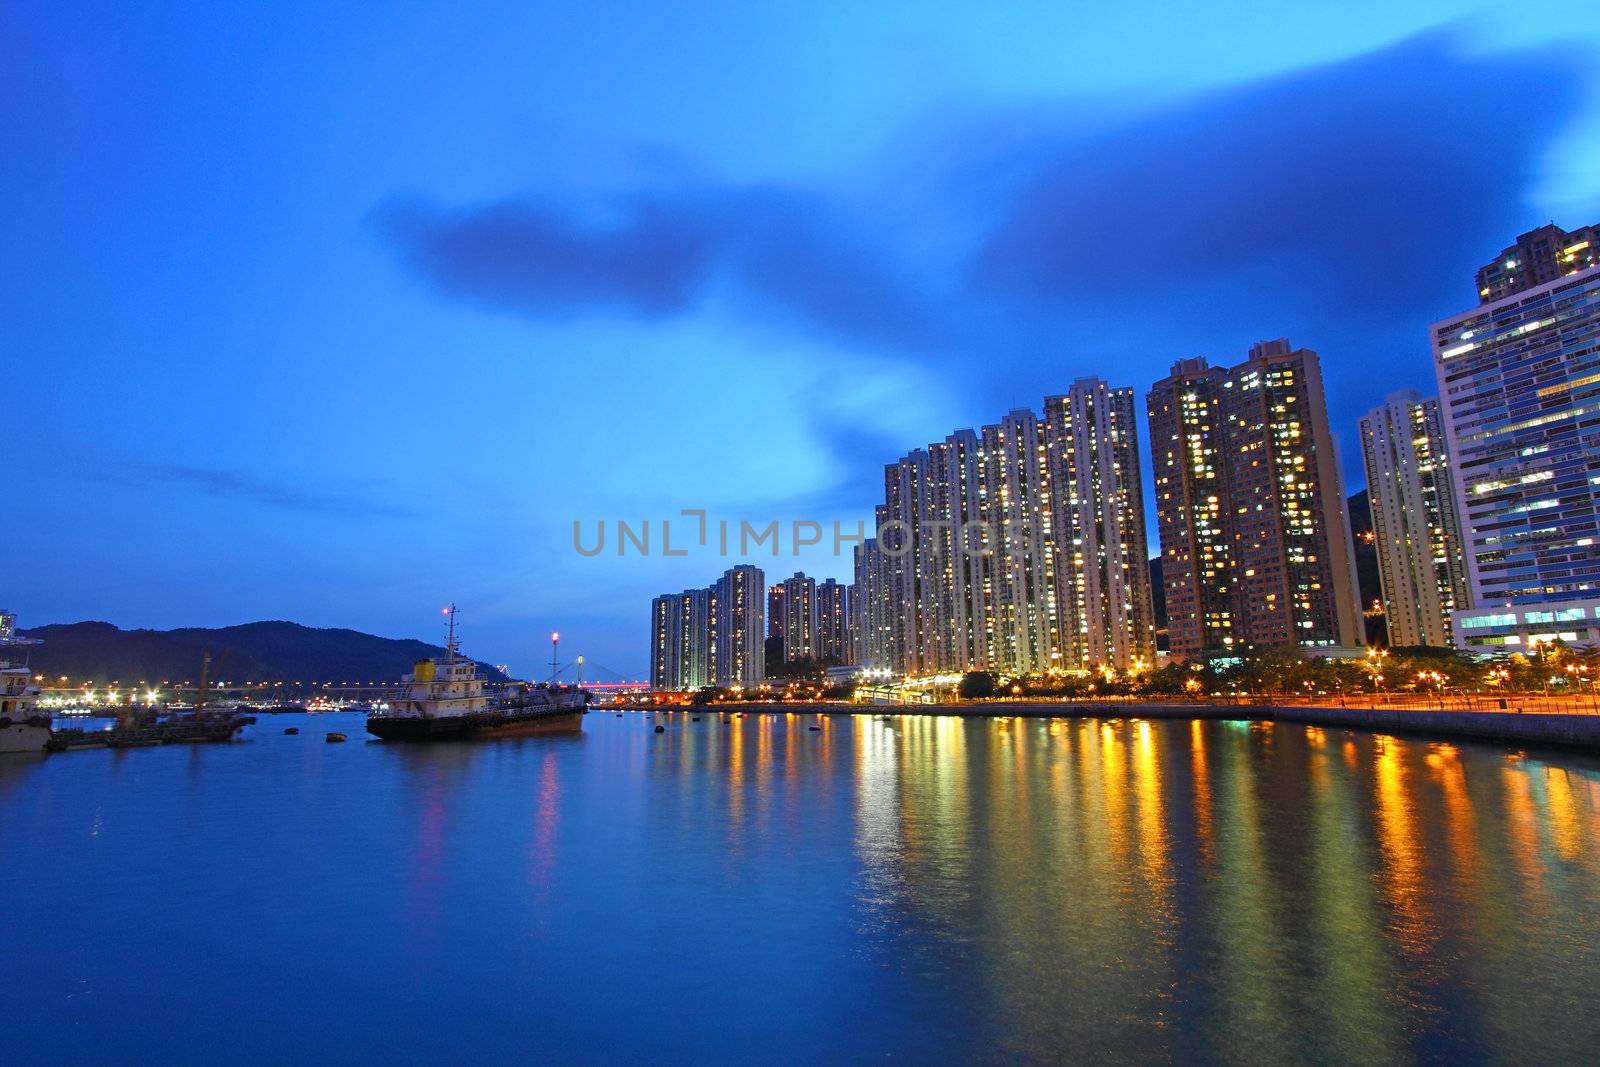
(835, 265)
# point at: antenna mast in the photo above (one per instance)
(450, 635)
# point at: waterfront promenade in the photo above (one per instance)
(1526, 721)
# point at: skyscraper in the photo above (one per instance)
(680, 637)
(737, 644)
(694, 648)
(869, 607)
(1189, 455)
(1519, 381)
(1293, 559)
(775, 611)
(985, 535)
(1538, 257)
(1269, 561)
(797, 600)
(833, 642)
(666, 640)
(1414, 521)
(1097, 513)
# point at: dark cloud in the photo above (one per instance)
(238, 485)
(777, 253)
(1367, 186)
(1369, 182)
(645, 255)
(1344, 206)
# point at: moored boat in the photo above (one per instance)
(448, 700)
(23, 727)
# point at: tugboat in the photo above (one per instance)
(23, 728)
(447, 701)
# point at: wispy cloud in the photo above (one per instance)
(248, 488)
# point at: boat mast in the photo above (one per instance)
(450, 635)
(555, 645)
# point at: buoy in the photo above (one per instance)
(292, 730)
(335, 737)
(815, 729)
(660, 729)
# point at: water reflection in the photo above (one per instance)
(1171, 890)
(750, 888)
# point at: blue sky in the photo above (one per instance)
(337, 316)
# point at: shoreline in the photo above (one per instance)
(1556, 730)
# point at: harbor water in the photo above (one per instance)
(920, 889)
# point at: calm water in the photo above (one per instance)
(924, 890)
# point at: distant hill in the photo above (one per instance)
(253, 652)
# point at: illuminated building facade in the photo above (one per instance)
(1519, 381)
(738, 627)
(1415, 526)
(869, 606)
(798, 601)
(833, 643)
(1250, 507)
(1189, 456)
(1102, 572)
(1294, 564)
(694, 643)
(666, 637)
(1539, 256)
(1017, 549)
(680, 640)
(712, 636)
(775, 612)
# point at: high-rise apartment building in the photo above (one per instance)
(737, 633)
(680, 637)
(833, 642)
(797, 600)
(710, 636)
(1097, 513)
(775, 612)
(666, 637)
(1250, 506)
(1539, 256)
(1519, 383)
(1415, 526)
(1018, 548)
(694, 641)
(1293, 558)
(1188, 450)
(869, 606)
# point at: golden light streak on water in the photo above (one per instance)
(1403, 858)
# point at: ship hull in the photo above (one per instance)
(468, 727)
(212, 728)
(23, 737)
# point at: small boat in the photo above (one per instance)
(335, 737)
(292, 730)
